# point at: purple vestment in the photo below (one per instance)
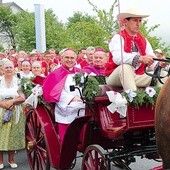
(54, 83)
(92, 69)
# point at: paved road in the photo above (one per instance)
(21, 159)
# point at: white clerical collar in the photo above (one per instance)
(70, 69)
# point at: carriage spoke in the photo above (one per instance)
(41, 149)
(42, 160)
(35, 140)
(87, 165)
(91, 160)
(39, 161)
(94, 159)
(40, 140)
(101, 165)
(34, 159)
(30, 130)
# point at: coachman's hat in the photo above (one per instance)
(131, 12)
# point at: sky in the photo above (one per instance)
(158, 10)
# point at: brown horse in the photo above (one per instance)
(162, 124)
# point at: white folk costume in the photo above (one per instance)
(132, 74)
(26, 75)
(12, 133)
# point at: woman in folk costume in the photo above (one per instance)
(56, 88)
(25, 69)
(12, 130)
(132, 50)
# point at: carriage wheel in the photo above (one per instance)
(94, 158)
(35, 142)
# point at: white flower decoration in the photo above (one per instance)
(118, 103)
(94, 92)
(150, 91)
(82, 79)
(131, 94)
(25, 86)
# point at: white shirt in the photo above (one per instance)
(65, 110)
(10, 92)
(120, 56)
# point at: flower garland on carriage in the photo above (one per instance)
(90, 84)
(91, 89)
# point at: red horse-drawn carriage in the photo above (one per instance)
(104, 139)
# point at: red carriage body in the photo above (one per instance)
(111, 137)
(113, 125)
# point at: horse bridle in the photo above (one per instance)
(157, 72)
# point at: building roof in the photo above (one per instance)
(9, 4)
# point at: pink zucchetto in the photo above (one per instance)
(100, 49)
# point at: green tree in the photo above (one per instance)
(110, 25)
(83, 30)
(25, 31)
(92, 30)
(7, 25)
(55, 31)
(155, 41)
(106, 19)
(79, 17)
(84, 34)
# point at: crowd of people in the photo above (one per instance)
(57, 69)
(122, 66)
(29, 65)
